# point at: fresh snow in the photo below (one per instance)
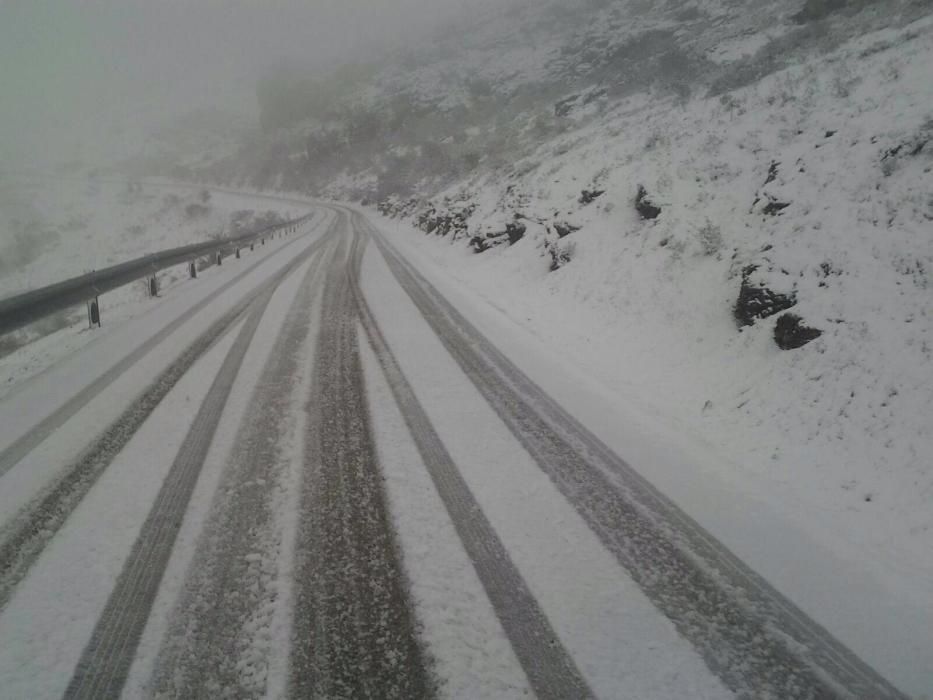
(85, 224)
(465, 641)
(52, 614)
(278, 634)
(617, 637)
(813, 464)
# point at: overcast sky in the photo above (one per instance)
(75, 73)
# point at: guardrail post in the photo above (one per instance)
(93, 313)
(237, 253)
(193, 270)
(252, 247)
(220, 258)
(153, 286)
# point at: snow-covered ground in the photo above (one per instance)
(834, 437)
(837, 434)
(52, 229)
(838, 564)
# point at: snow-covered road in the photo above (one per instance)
(311, 476)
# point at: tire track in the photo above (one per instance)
(753, 638)
(21, 447)
(25, 536)
(105, 662)
(354, 629)
(230, 591)
(550, 669)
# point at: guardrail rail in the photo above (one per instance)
(23, 309)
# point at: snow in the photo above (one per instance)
(89, 224)
(49, 343)
(52, 614)
(617, 637)
(195, 518)
(31, 401)
(466, 644)
(800, 546)
(812, 464)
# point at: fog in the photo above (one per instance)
(85, 81)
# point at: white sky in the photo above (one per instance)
(75, 74)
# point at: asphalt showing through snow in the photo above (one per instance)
(105, 663)
(758, 642)
(354, 630)
(232, 584)
(551, 671)
(11, 455)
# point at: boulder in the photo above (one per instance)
(645, 207)
(791, 333)
(757, 301)
(774, 207)
(515, 231)
(562, 228)
(589, 196)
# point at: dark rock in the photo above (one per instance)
(478, 244)
(565, 106)
(562, 228)
(774, 207)
(790, 332)
(644, 206)
(560, 256)
(515, 231)
(445, 221)
(892, 152)
(588, 196)
(757, 301)
(772, 172)
(815, 10)
(830, 133)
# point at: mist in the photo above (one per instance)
(85, 82)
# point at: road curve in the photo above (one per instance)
(352, 624)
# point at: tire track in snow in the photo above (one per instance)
(25, 536)
(751, 636)
(21, 447)
(354, 629)
(105, 662)
(231, 586)
(550, 670)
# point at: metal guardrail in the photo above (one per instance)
(32, 306)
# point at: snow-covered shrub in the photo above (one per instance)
(710, 237)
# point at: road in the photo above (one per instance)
(313, 477)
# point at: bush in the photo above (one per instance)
(710, 237)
